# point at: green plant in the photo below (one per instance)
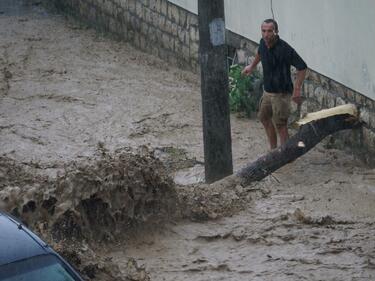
(240, 87)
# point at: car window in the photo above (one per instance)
(38, 268)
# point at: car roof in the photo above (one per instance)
(17, 242)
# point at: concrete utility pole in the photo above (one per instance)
(214, 79)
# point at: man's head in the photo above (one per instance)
(269, 30)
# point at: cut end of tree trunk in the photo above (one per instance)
(349, 109)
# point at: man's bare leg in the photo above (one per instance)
(283, 134)
(271, 132)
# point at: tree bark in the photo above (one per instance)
(309, 135)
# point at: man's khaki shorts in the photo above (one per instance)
(275, 106)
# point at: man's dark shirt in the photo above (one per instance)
(276, 63)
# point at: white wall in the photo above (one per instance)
(190, 5)
(335, 37)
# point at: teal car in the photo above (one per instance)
(25, 257)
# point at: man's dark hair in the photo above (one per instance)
(275, 25)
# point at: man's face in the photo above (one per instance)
(268, 32)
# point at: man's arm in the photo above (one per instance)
(296, 97)
(301, 67)
(249, 68)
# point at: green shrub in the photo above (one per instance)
(241, 88)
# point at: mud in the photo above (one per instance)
(91, 203)
(102, 154)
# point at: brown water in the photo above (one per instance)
(313, 222)
(66, 90)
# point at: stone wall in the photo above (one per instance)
(154, 26)
(322, 92)
(171, 33)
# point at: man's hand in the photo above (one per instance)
(297, 86)
(296, 97)
(247, 70)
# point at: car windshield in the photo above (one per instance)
(38, 268)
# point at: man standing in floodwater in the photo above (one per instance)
(277, 56)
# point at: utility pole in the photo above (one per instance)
(214, 89)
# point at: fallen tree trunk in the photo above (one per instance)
(314, 128)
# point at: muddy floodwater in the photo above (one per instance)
(68, 94)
